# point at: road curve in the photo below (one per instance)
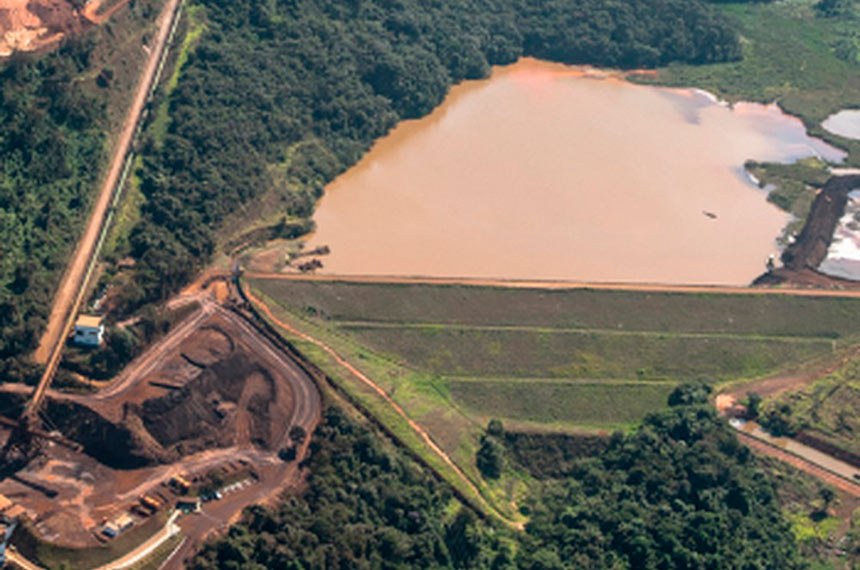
(307, 399)
(70, 292)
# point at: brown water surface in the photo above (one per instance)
(550, 172)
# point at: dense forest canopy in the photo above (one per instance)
(51, 146)
(680, 493)
(286, 94)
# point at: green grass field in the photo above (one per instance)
(560, 402)
(563, 360)
(763, 315)
(603, 344)
(450, 350)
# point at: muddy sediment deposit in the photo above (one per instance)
(802, 258)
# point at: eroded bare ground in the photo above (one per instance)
(31, 25)
(28, 25)
(212, 396)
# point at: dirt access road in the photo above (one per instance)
(820, 473)
(90, 492)
(71, 291)
(94, 12)
(516, 284)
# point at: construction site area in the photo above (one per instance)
(33, 25)
(212, 418)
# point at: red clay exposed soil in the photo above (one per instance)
(29, 25)
(32, 25)
(236, 408)
(100, 11)
(207, 346)
(851, 489)
(210, 390)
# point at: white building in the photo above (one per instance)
(89, 331)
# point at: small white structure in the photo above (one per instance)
(118, 525)
(89, 331)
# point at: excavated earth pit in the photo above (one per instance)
(234, 407)
(210, 392)
(207, 411)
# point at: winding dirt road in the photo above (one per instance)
(93, 11)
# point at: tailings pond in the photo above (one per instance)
(551, 172)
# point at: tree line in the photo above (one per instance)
(679, 493)
(51, 147)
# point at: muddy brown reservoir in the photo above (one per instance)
(551, 172)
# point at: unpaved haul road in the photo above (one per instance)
(817, 471)
(70, 293)
(92, 11)
(549, 284)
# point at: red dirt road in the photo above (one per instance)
(70, 293)
(92, 11)
(805, 466)
(515, 284)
